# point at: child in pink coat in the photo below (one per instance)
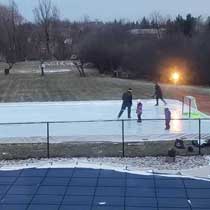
(139, 110)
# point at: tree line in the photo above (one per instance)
(147, 49)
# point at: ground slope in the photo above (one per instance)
(68, 86)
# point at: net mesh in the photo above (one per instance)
(189, 107)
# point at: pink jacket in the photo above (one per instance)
(139, 108)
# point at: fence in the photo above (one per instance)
(103, 138)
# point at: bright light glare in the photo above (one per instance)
(175, 77)
(176, 125)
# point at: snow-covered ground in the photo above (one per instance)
(189, 166)
(47, 70)
(94, 131)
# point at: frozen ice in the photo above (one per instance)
(63, 117)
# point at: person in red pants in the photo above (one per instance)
(158, 94)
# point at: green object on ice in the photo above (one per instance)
(193, 115)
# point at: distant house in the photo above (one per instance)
(149, 33)
(74, 57)
(121, 73)
(68, 41)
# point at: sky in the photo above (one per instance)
(107, 10)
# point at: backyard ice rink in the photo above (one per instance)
(148, 130)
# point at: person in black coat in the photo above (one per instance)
(158, 94)
(127, 103)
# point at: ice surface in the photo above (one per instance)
(95, 131)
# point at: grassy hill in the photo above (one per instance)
(68, 86)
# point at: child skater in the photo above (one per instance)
(139, 110)
(167, 118)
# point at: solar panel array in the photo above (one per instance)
(98, 189)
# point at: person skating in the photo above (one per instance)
(167, 118)
(139, 110)
(158, 94)
(42, 67)
(127, 103)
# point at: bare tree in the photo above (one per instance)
(10, 20)
(45, 15)
(157, 21)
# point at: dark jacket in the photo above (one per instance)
(127, 98)
(158, 91)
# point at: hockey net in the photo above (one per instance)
(189, 107)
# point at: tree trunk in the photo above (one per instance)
(7, 70)
(80, 69)
(47, 37)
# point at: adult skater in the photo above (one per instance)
(127, 103)
(158, 94)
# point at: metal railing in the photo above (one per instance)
(125, 143)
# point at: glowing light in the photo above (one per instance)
(175, 77)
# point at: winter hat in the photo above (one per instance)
(130, 89)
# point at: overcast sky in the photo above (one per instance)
(107, 10)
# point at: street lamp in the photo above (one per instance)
(175, 77)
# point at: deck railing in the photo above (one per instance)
(136, 143)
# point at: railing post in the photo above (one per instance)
(48, 140)
(123, 139)
(190, 103)
(183, 105)
(199, 136)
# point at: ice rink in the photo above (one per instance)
(57, 113)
